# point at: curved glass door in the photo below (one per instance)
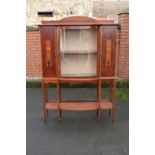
(78, 50)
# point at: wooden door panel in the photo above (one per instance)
(108, 51)
(48, 51)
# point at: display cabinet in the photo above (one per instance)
(78, 49)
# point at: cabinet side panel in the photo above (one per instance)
(48, 51)
(108, 51)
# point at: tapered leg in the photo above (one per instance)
(44, 102)
(113, 100)
(99, 99)
(97, 112)
(58, 101)
(109, 111)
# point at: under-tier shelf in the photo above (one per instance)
(77, 79)
(79, 105)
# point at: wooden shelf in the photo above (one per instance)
(106, 105)
(50, 80)
(108, 78)
(78, 79)
(52, 105)
(78, 52)
(79, 105)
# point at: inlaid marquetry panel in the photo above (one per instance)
(108, 51)
(48, 51)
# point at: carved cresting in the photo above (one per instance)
(48, 53)
(108, 52)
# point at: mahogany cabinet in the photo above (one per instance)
(78, 49)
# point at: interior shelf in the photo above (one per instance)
(78, 52)
(106, 104)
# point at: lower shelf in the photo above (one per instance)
(79, 106)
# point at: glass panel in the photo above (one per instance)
(78, 48)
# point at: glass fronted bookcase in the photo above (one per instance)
(78, 49)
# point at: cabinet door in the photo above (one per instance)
(108, 51)
(78, 50)
(48, 51)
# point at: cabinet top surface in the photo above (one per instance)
(78, 20)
